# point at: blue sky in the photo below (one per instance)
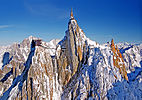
(101, 20)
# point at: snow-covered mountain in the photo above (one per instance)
(72, 68)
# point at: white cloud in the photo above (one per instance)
(5, 26)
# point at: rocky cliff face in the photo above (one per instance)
(73, 68)
(118, 61)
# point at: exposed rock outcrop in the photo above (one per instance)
(118, 61)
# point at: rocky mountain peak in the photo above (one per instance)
(118, 61)
(71, 15)
(75, 68)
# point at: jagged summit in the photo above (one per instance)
(74, 28)
(71, 15)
